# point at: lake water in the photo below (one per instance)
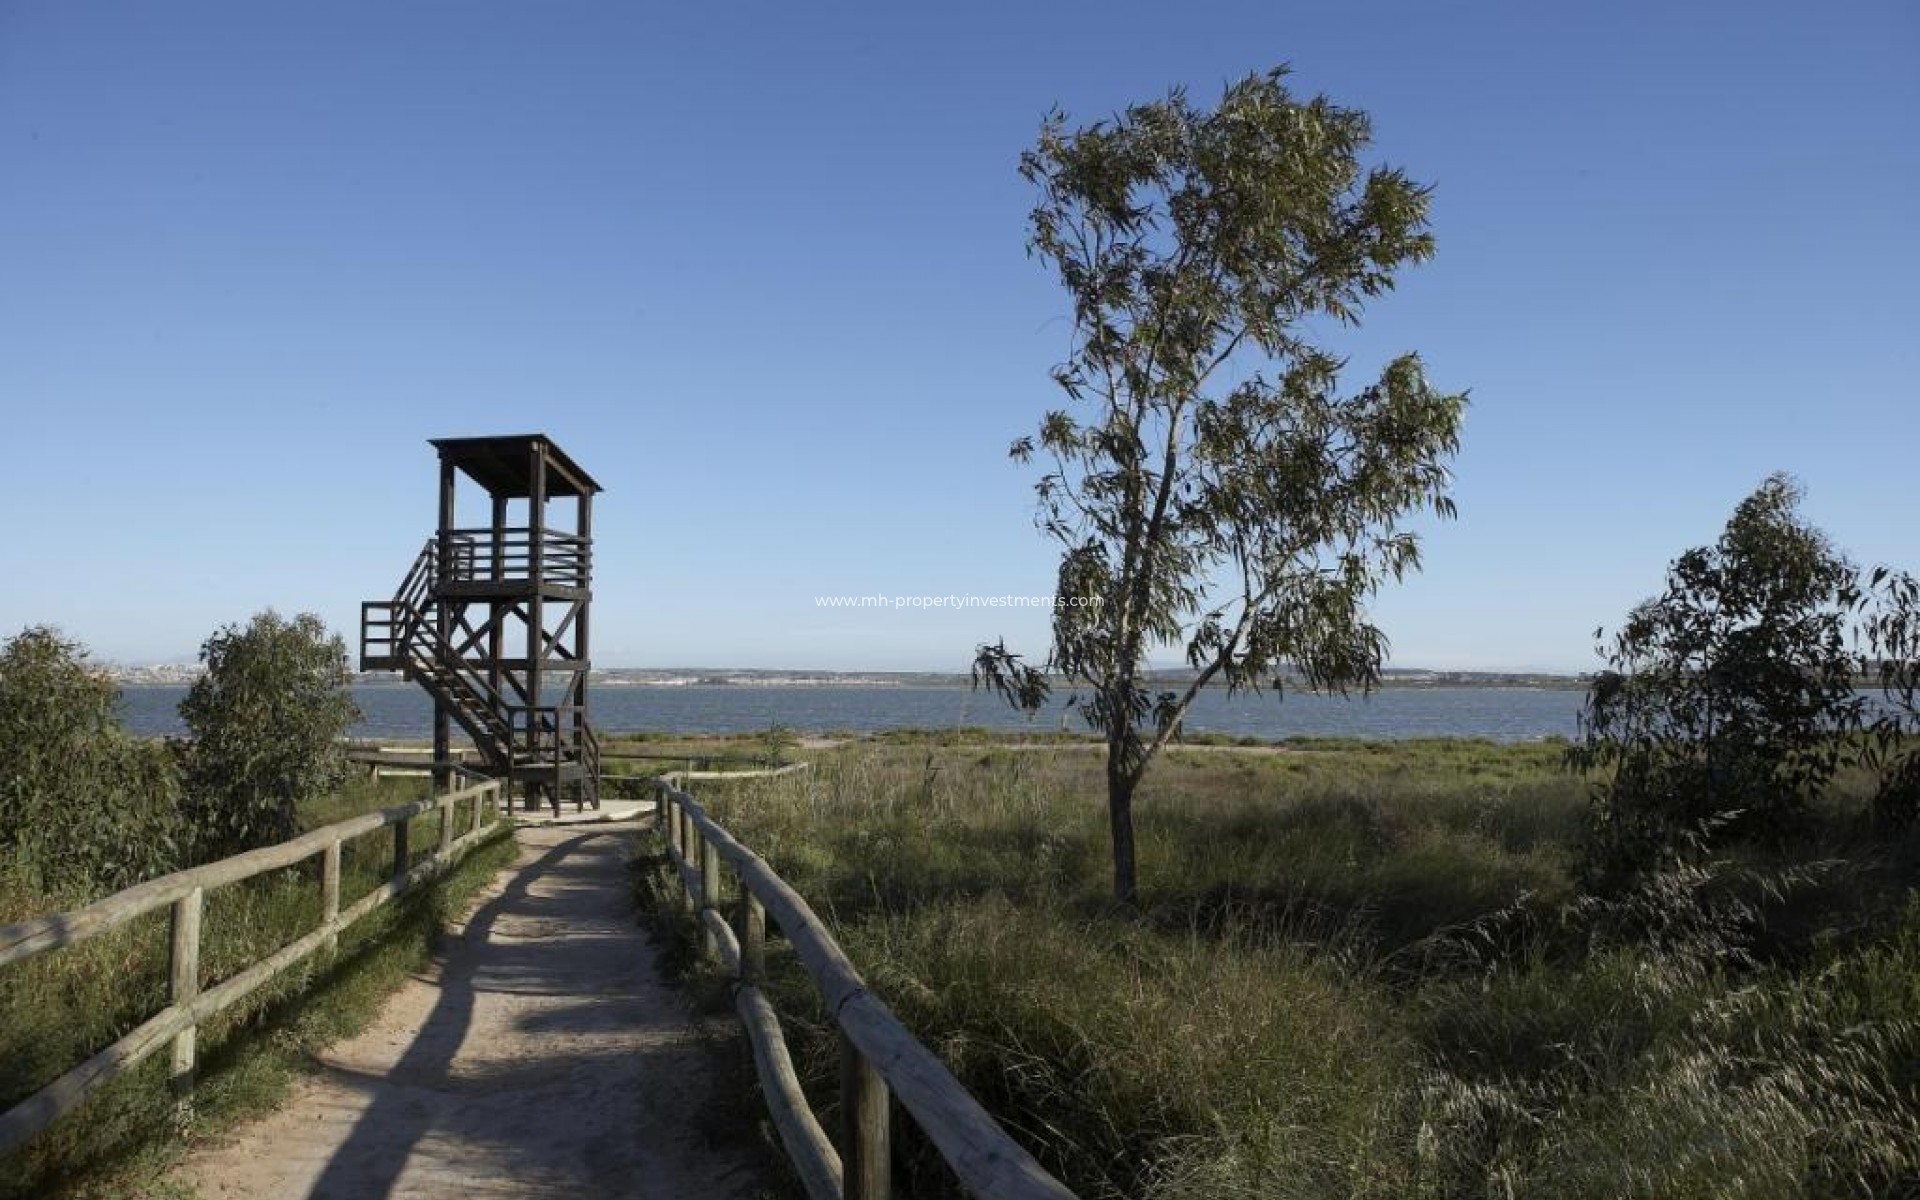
(1505, 714)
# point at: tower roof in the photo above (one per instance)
(504, 464)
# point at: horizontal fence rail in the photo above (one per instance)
(744, 760)
(410, 762)
(513, 555)
(678, 778)
(647, 783)
(879, 1057)
(185, 891)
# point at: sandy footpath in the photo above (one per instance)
(541, 1056)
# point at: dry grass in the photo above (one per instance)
(1359, 971)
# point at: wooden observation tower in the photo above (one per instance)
(492, 619)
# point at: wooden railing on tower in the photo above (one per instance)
(488, 556)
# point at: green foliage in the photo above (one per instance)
(266, 719)
(1209, 485)
(1729, 697)
(1891, 633)
(84, 809)
(779, 741)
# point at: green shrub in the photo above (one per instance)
(1729, 699)
(84, 809)
(266, 719)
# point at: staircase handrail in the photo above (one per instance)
(419, 639)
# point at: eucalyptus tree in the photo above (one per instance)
(85, 808)
(1729, 701)
(1211, 487)
(267, 719)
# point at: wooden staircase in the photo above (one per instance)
(539, 745)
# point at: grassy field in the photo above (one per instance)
(1359, 970)
(61, 1006)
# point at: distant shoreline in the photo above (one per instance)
(621, 677)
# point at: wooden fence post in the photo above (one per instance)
(446, 829)
(709, 896)
(750, 930)
(400, 850)
(184, 984)
(695, 849)
(866, 1152)
(330, 891)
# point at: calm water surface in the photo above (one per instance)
(1503, 713)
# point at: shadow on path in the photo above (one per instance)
(546, 1059)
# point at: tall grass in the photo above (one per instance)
(1359, 971)
(61, 1006)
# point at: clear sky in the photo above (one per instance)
(761, 269)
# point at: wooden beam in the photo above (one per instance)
(709, 892)
(402, 852)
(866, 1140)
(536, 525)
(442, 715)
(24, 939)
(184, 985)
(808, 1148)
(330, 889)
(750, 931)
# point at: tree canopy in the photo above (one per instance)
(1212, 488)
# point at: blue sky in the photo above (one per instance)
(761, 269)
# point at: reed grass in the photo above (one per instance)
(1358, 970)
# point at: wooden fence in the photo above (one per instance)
(188, 1006)
(405, 762)
(717, 764)
(879, 1058)
(645, 784)
(705, 774)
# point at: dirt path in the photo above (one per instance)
(542, 1056)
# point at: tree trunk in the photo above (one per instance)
(1120, 785)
